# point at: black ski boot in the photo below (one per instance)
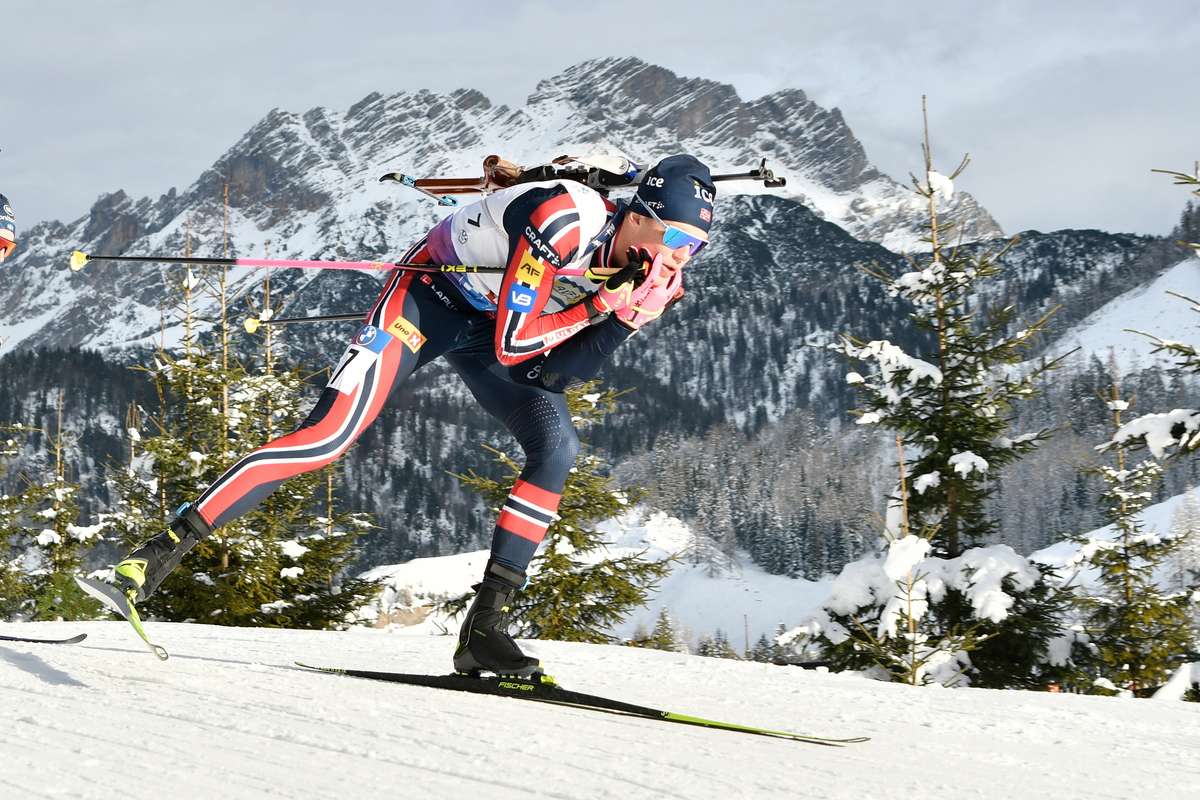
(140, 574)
(483, 642)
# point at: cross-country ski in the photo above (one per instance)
(542, 689)
(27, 640)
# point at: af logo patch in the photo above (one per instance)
(530, 271)
(408, 333)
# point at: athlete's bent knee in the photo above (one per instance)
(560, 454)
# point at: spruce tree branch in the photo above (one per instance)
(1184, 297)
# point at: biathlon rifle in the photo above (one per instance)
(603, 173)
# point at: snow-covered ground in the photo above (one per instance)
(741, 600)
(229, 717)
(1147, 308)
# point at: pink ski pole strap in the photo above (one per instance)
(277, 262)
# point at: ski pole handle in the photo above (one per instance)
(253, 323)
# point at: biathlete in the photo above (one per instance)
(582, 274)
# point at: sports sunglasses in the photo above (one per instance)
(674, 237)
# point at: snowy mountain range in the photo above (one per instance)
(307, 185)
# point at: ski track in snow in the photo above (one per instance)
(229, 717)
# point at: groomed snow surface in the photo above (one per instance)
(229, 717)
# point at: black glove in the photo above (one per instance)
(635, 270)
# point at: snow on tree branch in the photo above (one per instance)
(1159, 431)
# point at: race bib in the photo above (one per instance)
(363, 352)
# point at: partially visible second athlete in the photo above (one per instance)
(8, 229)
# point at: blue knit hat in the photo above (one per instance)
(679, 189)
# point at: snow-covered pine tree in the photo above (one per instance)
(1176, 432)
(716, 646)
(12, 586)
(952, 408)
(318, 565)
(281, 565)
(574, 594)
(662, 637)
(918, 608)
(1139, 633)
(779, 653)
(665, 635)
(1185, 563)
(42, 547)
(763, 650)
(12, 590)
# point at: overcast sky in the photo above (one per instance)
(1064, 106)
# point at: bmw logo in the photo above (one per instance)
(366, 335)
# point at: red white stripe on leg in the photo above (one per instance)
(529, 511)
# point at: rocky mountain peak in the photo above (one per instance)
(622, 84)
(113, 221)
(635, 101)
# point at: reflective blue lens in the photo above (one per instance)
(675, 238)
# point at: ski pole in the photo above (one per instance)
(80, 258)
(251, 324)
